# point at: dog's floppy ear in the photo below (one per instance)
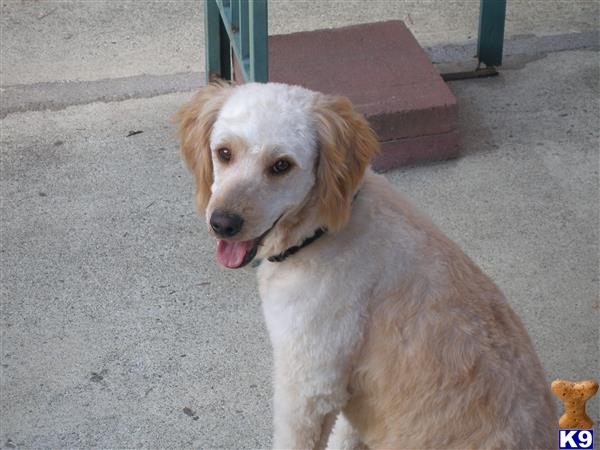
(346, 146)
(195, 121)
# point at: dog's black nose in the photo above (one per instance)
(226, 224)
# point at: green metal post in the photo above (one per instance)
(259, 54)
(244, 30)
(238, 29)
(490, 42)
(225, 51)
(212, 40)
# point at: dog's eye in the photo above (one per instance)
(224, 154)
(280, 166)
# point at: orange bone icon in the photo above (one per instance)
(574, 396)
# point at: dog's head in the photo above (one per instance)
(272, 163)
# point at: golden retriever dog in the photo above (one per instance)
(384, 333)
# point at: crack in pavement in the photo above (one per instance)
(59, 95)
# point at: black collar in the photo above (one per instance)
(290, 251)
(309, 240)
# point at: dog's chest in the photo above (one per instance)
(289, 299)
(311, 307)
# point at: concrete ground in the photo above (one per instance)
(118, 329)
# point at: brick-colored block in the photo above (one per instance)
(411, 150)
(389, 78)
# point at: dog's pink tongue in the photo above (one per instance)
(231, 253)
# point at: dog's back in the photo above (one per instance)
(445, 362)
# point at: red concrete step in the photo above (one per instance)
(389, 78)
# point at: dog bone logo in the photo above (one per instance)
(574, 397)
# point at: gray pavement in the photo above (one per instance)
(118, 329)
(91, 40)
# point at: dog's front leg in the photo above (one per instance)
(315, 338)
(327, 426)
(344, 436)
(305, 408)
(302, 422)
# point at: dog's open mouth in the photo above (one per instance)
(236, 254)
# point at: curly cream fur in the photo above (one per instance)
(383, 321)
